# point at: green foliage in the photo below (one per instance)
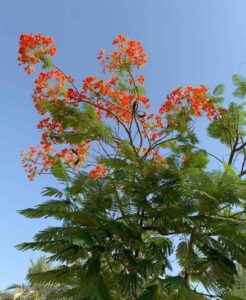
(86, 122)
(151, 293)
(230, 125)
(239, 287)
(101, 243)
(47, 63)
(240, 84)
(232, 298)
(219, 89)
(59, 171)
(117, 235)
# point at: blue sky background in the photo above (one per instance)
(187, 41)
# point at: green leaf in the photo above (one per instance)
(230, 125)
(177, 282)
(47, 63)
(50, 191)
(232, 298)
(240, 83)
(230, 170)
(219, 89)
(59, 171)
(96, 290)
(151, 293)
(129, 283)
(127, 150)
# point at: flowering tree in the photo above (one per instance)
(137, 191)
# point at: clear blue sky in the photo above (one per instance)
(188, 42)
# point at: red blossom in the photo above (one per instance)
(141, 79)
(223, 111)
(118, 98)
(189, 98)
(51, 87)
(99, 171)
(33, 49)
(129, 52)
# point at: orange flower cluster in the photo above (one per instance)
(128, 53)
(99, 171)
(118, 98)
(52, 86)
(141, 79)
(110, 99)
(193, 101)
(49, 128)
(152, 126)
(39, 160)
(33, 48)
(197, 101)
(76, 155)
(223, 111)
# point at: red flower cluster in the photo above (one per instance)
(33, 48)
(40, 159)
(109, 98)
(190, 100)
(118, 98)
(99, 171)
(129, 53)
(51, 86)
(223, 111)
(194, 100)
(141, 79)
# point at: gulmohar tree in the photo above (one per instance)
(136, 188)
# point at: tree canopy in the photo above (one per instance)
(136, 191)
